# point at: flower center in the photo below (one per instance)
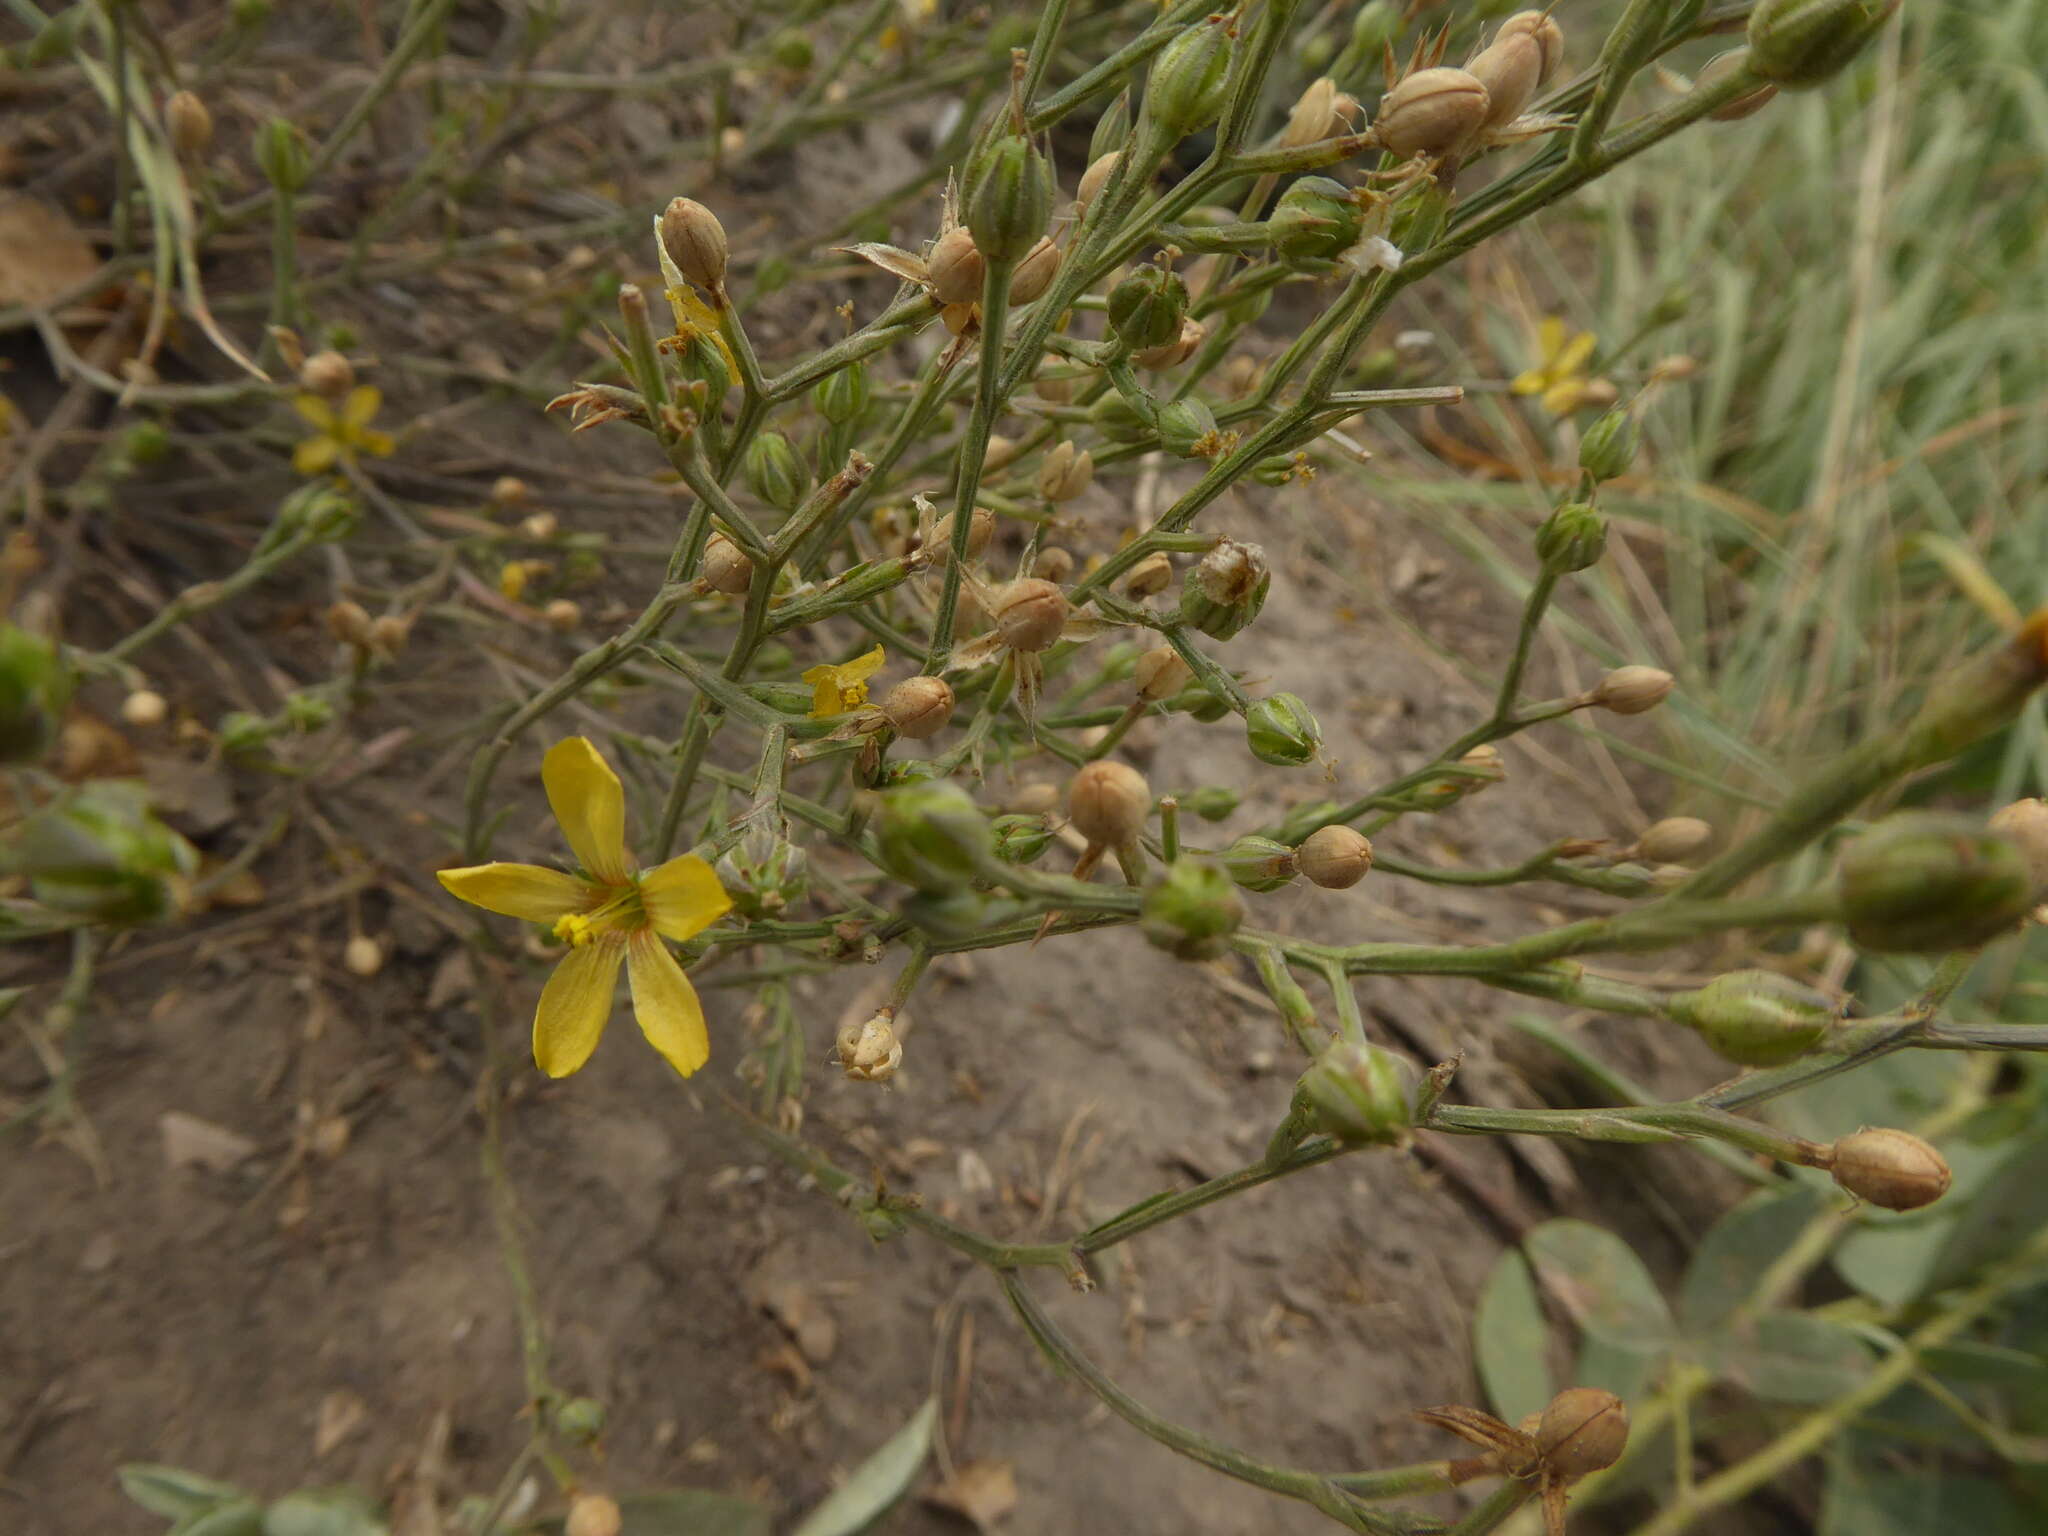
(621, 912)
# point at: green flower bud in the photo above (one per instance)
(700, 358)
(581, 1419)
(773, 473)
(320, 511)
(1609, 446)
(242, 734)
(306, 711)
(1021, 839)
(1376, 24)
(763, 872)
(1755, 1018)
(98, 853)
(1361, 1095)
(146, 442)
(908, 770)
(281, 155)
(1259, 863)
(932, 835)
(1281, 731)
(1316, 219)
(35, 686)
(1923, 881)
(1116, 419)
(1011, 203)
(1226, 589)
(1191, 909)
(843, 396)
(1112, 129)
(1146, 308)
(1212, 802)
(1184, 93)
(1571, 538)
(1187, 429)
(791, 50)
(1800, 44)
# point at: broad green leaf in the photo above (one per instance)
(1627, 1373)
(1732, 1258)
(1992, 1364)
(238, 1517)
(1601, 1282)
(1510, 1343)
(323, 1512)
(1896, 1090)
(877, 1482)
(1791, 1357)
(172, 1491)
(1861, 1502)
(2007, 1209)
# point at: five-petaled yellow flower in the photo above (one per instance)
(611, 912)
(837, 689)
(1561, 378)
(343, 433)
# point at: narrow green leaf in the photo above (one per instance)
(1732, 1258)
(1510, 1342)
(1601, 1283)
(172, 1491)
(878, 1482)
(238, 1517)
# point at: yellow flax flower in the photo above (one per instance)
(1561, 379)
(609, 913)
(343, 433)
(837, 689)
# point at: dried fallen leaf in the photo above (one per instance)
(42, 254)
(980, 1492)
(190, 1142)
(793, 1306)
(341, 1414)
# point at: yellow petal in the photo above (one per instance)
(683, 897)
(314, 454)
(1550, 338)
(315, 410)
(1576, 354)
(666, 1005)
(379, 445)
(520, 890)
(1565, 396)
(861, 668)
(575, 1004)
(360, 409)
(824, 692)
(590, 803)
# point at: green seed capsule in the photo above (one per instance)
(1609, 446)
(1146, 308)
(1191, 909)
(1571, 538)
(35, 686)
(1361, 1095)
(98, 853)
(1212, 802)
(1756, 1018)
(1112, 129)
(1114, 417)
(842, 397)
(1259, 863)
(1184, 93)
(773, 473)
(932, 835)
(1924, 881)
(1021, 839)
(1281, 731)
(1011, 203)
(1187, 429)
(281, 155)
(1801, 44)
(1316, 220)
(1226, 589)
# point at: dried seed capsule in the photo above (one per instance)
(1583, 1429)
(1755, 1018)
(1065, 472)
(1259, 863)
(327, 374)
(562, 615)
(1510, 68)
(388, 636)
(508, 491)
(1146, 308)
(1172, 355)
(1719, 68)
(1160, 674)
(1432, 112)
(931, 834)
(981, 528)
(695, 242)
(1001, 453)
(1034, 274)
(1548, 36)
(1011, 200)
(349, 623)
(362, 955)
(1033, 799)
(1924, 881)
(593, 1514)
(1108, 803)
(144, 707)
(2024, 824)
(1572, 538)
(954, 267)
(726, 567)
(1316, 219)
(1093, 180)
(1053, 564)
(1281, 731)
(1191, 909)
(919, 707)
(1184, 92)
(1609, 446)
(540, 526)
(1674, 840)
(870, 1052)
(1801, 44)
(1892, 1169)
(1335, 857)
(1361, 1095)
(1226, 589)
(191, 125)
(1030, 614)
(1150, 576)
(1321, 112)
(1633, 690)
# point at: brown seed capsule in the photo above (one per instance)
(1033, 799)
(1674, 840)
(539, 526)
(190, 123)
(1034, 274)
(970, 616)
(1065, 472)
(593, 1514)
(1160, 674)
(144, 707)
(1053, 564)
(508, 491)
(1108, 802)
(1719, 68)
(959, 319)
(919, 707)
(328, 374)
(1001, 453)
(1151, 575)
(1892, 1169)
(1053, 388)
(870, 1052)
(1335, 857)
(1432, 112)
(1583, 1429)
(349, 623)
(2024, 824)
(1030, 614)
(695, 242)
(980, 531)
(363, 955)
(955, 267)
(562, 615)
(1094, 178)
(1316, 115)
(1175, 352)
(388, 636)
(1632, 690)
(726, 567)
(1510, 69)
(1548, 35)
